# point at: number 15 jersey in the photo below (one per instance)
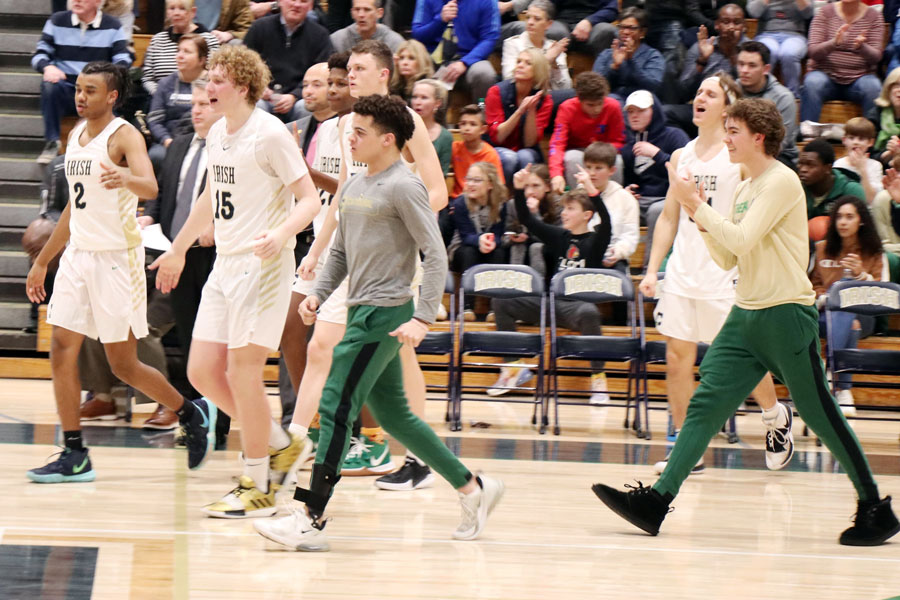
(248, 174)
(101, 219)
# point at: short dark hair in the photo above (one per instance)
(760, 115)
(601, 152)
(580, 196)
(389, 114)
(821, 148)
(472, 109)
(381, 52)
(116, 77)
(757, 48)
(339, 60)
(591, 86)
(633, 12)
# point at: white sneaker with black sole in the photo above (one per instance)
(411, 476)
(780, 440)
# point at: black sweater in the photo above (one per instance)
(564, 249)
(288, 59)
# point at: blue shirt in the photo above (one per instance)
(67, 46)
(477, 27)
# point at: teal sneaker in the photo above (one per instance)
(367, 457)
(72, 466)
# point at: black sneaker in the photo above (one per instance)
(50, 151)
(200, 433)
(873, 524)
(71, 466)
(642, 506)
(411, 476)
(780, 442)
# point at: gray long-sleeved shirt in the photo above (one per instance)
(779, 16)
(385, 220)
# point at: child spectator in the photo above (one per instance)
(591, 116)
(472, 148)
(624, 214)
(859, 136)
(522, 248)
(429, 101)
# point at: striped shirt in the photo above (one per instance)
(69, 44)
(843, 63)
(159, 61)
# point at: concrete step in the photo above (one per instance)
(11, 237)
(20, 102)
(15, 315)
(17, 39)
(16, 339)
(21, 147)
(22, 169)
(27, 191)
(16, 61)
(20, 82)
(13, 264)
(24, 125)
(16, 214)
(31, 7)
(12, 289)
(24, 22)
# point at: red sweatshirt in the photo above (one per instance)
(575, 129)
(496, 113)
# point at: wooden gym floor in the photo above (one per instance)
(738, 531)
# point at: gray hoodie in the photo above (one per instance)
(787, 106)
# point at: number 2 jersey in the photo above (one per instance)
(691, 271)
(249, 173)
(101, 219)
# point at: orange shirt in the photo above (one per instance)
(462, 159)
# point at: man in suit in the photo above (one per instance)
(182, 178)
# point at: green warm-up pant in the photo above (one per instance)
(782, 339)
(366, 368)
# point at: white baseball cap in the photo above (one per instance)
(639, 99)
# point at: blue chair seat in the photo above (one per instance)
(438, 342)
(885, 362)
(598, 347)
(502, 343)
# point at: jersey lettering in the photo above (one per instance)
(78, 167)
(223, 174)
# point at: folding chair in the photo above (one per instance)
(655, 354)
(501, 281)
(440, 343)
(872, 298)
(596, 286)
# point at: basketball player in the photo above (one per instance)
(697, 294)
(370, 66)
(254, 167)
(772, 327)
(100, 288)
(386, 221)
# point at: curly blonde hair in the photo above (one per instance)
(243, 67)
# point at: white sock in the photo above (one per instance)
(278, 437)
(409, 454)
(770, 416)
(298, 430)
(257, 469)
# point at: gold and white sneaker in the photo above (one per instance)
(284, 463)
(296, 531)
(246, 501)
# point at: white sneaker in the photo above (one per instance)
(659, 467)
(468, 315)
(441, 313)
(600, 390)
(779, 440)
(477, 506)
(510, 377)
(845, 399)
(295, 531)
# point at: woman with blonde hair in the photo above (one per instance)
(412, 63)
(159, 61)
(429, 101)
(518, 111)
(479, 216)
(886, 116)
(123, 10)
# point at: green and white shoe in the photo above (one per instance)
(367, 457)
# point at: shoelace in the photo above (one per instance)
(641, 490)
(357, 447)
(774, 436)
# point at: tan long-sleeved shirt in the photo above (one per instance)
(766, 237)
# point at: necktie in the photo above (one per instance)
(185, 198)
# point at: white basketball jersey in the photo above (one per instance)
(101, 219)
(249, 171)
(691, 272)
(327, 160)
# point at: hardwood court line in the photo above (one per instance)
(398, 540)
(14, 419)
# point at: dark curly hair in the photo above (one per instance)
(869, 240)
(389, 114)
(116, 77)
(761, 116)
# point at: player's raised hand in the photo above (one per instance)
(520, 177)
(34, 284)
(169, 267)
(307, 310)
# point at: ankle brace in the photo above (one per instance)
(321, 486)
